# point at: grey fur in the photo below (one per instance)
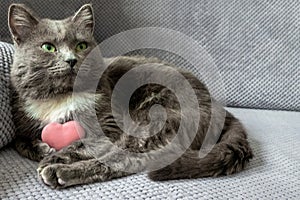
(42, 79)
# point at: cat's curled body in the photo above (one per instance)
(48, 57)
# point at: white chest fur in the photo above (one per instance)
(52, 110)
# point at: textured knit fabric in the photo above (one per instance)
(6, 124)
(254, 44)
(274, 173)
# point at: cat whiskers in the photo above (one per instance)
(58, 70)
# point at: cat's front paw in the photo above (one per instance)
(55, 175)
(56, 158)
(57, 171)
(42, 150)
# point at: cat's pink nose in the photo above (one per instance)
(71, 62)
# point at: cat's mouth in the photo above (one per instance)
(62, 78)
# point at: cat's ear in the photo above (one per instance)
(84, 18)
(21, 21)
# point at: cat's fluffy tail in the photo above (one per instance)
(228, 156)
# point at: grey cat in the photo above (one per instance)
(53, 76)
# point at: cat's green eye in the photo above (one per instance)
(48, 47)
(81, 46)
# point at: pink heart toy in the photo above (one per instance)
(58, 135)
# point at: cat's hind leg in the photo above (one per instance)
(228, 156)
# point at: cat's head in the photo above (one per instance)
(49, 53)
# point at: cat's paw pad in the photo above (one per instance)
(54, 175)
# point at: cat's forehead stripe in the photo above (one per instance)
(55, 29)
(58, 27)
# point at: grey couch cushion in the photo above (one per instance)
(273, 173)
(6, 124)
(254, 44)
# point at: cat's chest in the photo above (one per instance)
(58, 109)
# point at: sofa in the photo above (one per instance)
(249, 55)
